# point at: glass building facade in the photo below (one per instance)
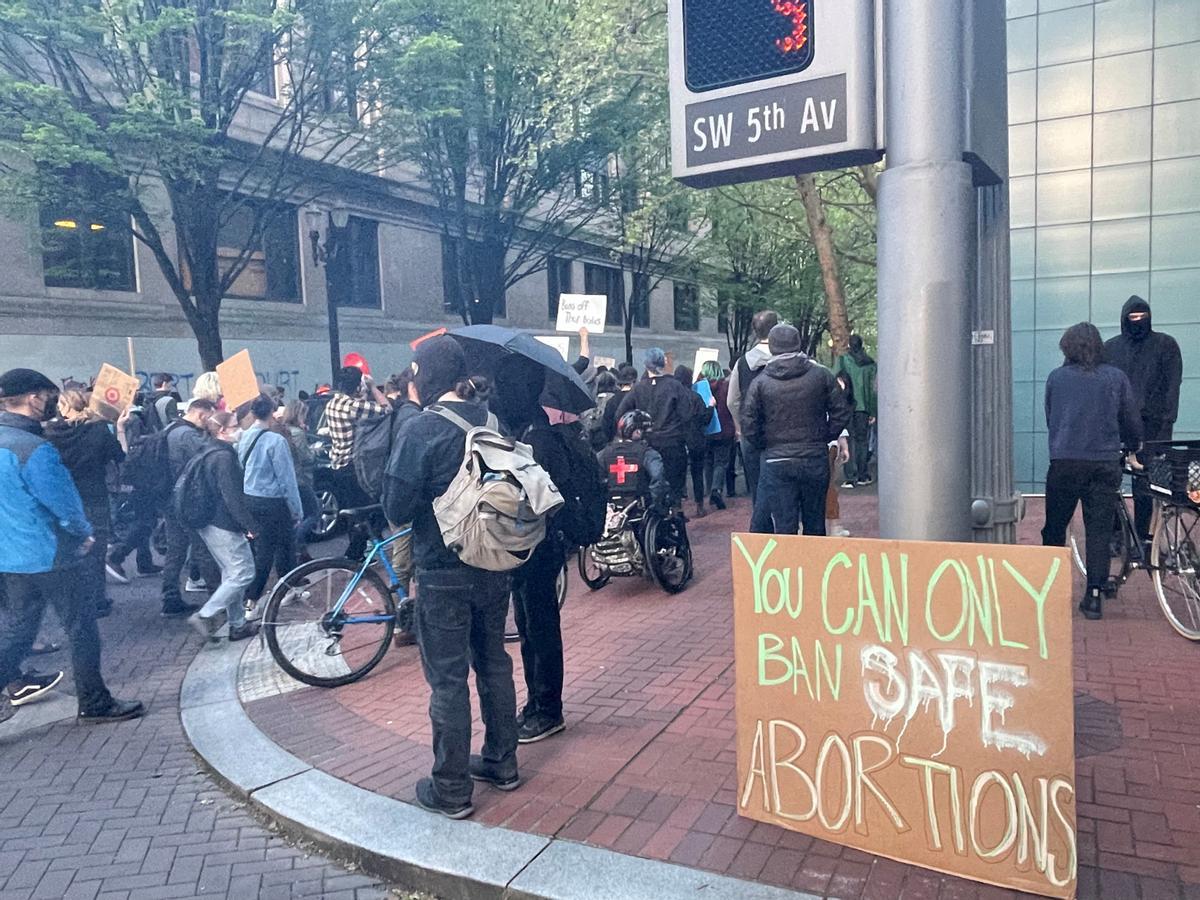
(1104, 138)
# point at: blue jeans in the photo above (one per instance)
(792, 491)
(760, 514)
(460, 617)
(232, 552)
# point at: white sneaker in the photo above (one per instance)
(840, 532)
(195, 585)
(115, 575)
(254, 610)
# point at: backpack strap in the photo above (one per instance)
(451, 416)
(253, 444)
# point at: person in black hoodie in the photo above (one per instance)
(792, 413)
(461, 612)
(1154, 366)
(697, 440)
(670, 406)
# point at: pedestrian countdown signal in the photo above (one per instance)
(728, 42)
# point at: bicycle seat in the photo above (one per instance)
(358, 514)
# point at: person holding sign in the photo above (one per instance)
(1092, 413)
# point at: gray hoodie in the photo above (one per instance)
(756, 357)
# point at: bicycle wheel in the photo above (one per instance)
(511, 633)
(1120, 554)
(589, 570)
(668, 553)
(316, 647)
(1174, 557)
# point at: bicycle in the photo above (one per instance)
(329, 622)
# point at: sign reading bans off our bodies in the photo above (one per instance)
(910, 699)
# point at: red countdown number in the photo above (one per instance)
(798, 13)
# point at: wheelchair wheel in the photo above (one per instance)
(589, 570)
(668, 553)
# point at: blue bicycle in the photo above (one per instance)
(329, 622)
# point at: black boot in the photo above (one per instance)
(1090, 604)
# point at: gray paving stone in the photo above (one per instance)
(235, 748)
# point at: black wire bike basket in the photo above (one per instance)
(1175, 470)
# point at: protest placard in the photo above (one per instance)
(239, 382)
(609, 362)
(561, 344)
(703, 355)
(577, 311)
(912, 700)
(113, 391)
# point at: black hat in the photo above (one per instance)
(16, 382)
(439, 363)
(783, 339)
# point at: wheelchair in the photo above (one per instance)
(638, 541)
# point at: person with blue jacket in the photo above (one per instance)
(47, 537)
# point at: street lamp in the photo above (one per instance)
(325, 252)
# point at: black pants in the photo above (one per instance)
(1143, 500)
(675, 468)
(275, 542)
(1095, 485)
(137, 515)
(535, 607)
(351, 496)
(735, 451)
(792, 491)
(859, 466)
(178, 539)
(751, 462)
(460, 625)
(716, 463)
(21, 609)
(696, 453)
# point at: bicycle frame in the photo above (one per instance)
(393, 582)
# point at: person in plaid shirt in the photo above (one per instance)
(355, 397)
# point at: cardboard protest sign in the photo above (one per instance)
(609, 362)
(239, 382)
(912, 700)
(561, 344)
(113, 391)
(577, 311)
(703, 355)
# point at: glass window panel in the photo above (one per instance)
(1021, 8)
(1121, 246)
(1109, 293)
(1064, 250)
(1122, 137)
(1065, 36)
(1023, 394)
(1041, 452)
(1021, 202)
(1022, 149)
(1022, 96)
(1177, 129)
(1175, 241)
(1177, 71)
(1064, 90)
(1052, 5)
(1047, 358)
(1023, 463)
(1065, 144)
(352, 269)
(1121, 192)
(1022, 43)
(1123, 81)
(687, 307)
(1173, 295)
(1022, 347)
(1062, 301)
(1023, 305)
(1189, 405)
(1063, 198)
(1022, 241)
(1177, 185)
(1176, 21)
(1123, 26)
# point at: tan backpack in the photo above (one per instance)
(494, 513)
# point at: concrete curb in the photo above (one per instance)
(402, 842)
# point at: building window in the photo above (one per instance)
(687, 307)
(640, 307)
(84, 246)
(611, 283)
(593, 185)
(558, 282)
(352, 269)
(266, 236)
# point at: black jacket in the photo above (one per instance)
(670, 407)
(184, 440)
(1152, 362)
(426, 456)
(222, 469)
(794, 409)
(86, 449)
(610, 415)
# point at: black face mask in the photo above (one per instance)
(1138, 330)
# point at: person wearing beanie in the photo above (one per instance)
(791, 414)
(669, 404)
(861, 372)
(47, 537)
(461, 614)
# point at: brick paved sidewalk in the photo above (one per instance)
(646, 766)
(123, 811)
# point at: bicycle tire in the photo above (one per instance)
(273, 623)
(1173, 551)
(1120, 555)
(593, 583)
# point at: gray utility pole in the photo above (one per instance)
(926, 267)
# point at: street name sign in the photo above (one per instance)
(763, 88)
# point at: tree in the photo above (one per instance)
(492, 101)
(139, 110)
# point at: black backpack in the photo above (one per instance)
(746, 376)
(371, 449)
(147, 466)
(586, 494)
(592, 422)
(195, 497)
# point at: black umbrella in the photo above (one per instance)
(486, 344)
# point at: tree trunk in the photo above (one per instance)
(207, 328)
(822, 238)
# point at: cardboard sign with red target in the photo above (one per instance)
(113, 391)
